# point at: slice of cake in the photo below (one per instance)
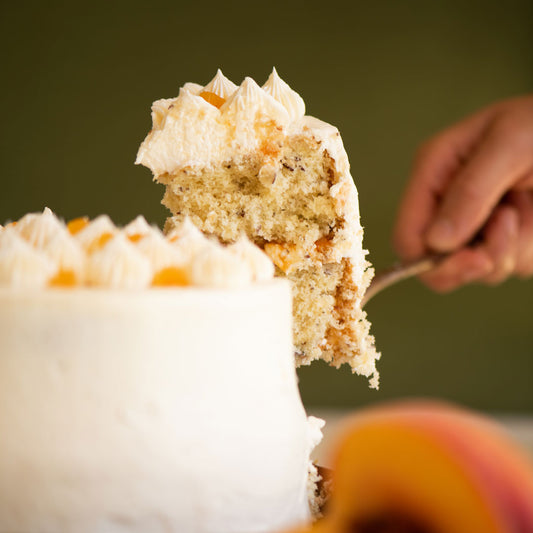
(247, 160)
(134, 369)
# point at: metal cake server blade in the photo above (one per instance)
(401, 271)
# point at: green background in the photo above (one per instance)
(78, 80)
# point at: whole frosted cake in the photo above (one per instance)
(248, 160)
(147, 383)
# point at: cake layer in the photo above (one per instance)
(153, 410)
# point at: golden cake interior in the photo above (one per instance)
(288, 211)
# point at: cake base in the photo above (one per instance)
(158, 410)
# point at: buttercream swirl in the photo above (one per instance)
(233, 121)
(39, 251)
(38, 228)
(288, 98)
(220, 85)
(21, 265)
(118, 265)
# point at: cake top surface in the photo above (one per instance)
(215, 122)
(40, 251)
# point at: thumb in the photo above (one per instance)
(474, 192)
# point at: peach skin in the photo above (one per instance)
(423, 467)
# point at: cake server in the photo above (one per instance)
(399, 272)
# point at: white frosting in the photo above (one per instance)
(193, 88)
(216, 266)
(160, 252)
(260, 265)
(248, 106)
(220, 85)
(188, 131)
(152, 411)
(118, 265)
(94, 230)
(288, 98)
(159, 111)
(21, 266)
(188, 239)
(66, 253)
(315, 432)
(138, 226)
(39, 228)
(120, 261)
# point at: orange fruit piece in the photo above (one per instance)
(213, 98)
(99, 242)
(170, 276)
(63, 278)
(77, 224)
(135, 237)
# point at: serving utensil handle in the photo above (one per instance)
(401, 271)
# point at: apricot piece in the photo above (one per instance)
(77, 224)
(135, 237)
(213, 98)
(428, 468)
(285, 256)
(99, 242)
(170, 276)
(63, 278)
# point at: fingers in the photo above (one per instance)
(492, 261)
(476, 177)
(501, 160)
(523, 203)
(501, 243)
(474, 192)
(435, 165)
(465, 266)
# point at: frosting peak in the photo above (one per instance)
(41, 251)
(38, 228)
(249, 100)
(288, 98)
(205, 126)
(221, 86)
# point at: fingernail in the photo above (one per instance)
(440, 234)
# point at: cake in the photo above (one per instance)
(147, 383)
(247, 160)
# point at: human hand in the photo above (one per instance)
(471, 193)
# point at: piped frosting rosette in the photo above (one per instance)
(40, 251)
(216, 121)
